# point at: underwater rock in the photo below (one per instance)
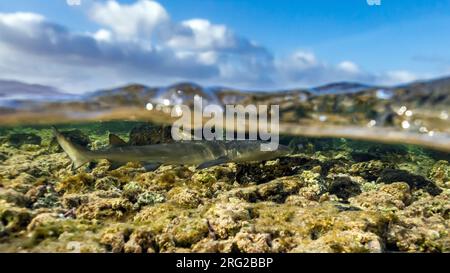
(141, 241)
(186, 230)
(14, 197)
(210, 245)
(78, 183)
(226, 219)
(147, 134)
(248, 242)
(184, 197)
(43, 196)
(440, 173)
(293, 228)
(102, 208)
(132, 190)
(3, 157)
(422, 227)
(148, 198)
(363, 156)
(344, 187)
(74, 200)
(370, 170)
(394, 196)
(13, 219)
(75, 136)
(19, 139)
(114, 237)
(414, 181)
(22, 183)
(107, 183)
(159, 217)
(347, 241)
(278, 190)
(204, 177)
(314, 185)
(266, 171)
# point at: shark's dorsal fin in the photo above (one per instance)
(116, 141)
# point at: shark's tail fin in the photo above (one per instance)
(77, 154)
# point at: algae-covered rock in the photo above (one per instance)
(43, 196)
(347, 241)
(388, 197)
(101, 208)
(148, 134)
(3, 156)
(13, 219)
(158, 216)
(49, 227)
(370, 170)
(14, 197)
(269, 170)
(186, 230)
(141, 241)
(414, 181)
(114, 237)
(440, 174)
(148, 198)
(107, 183)
(249, 242)
(22, 183)
(344, 187)
(18, 139)
(210, 245)
(81, 182)
(226, 219)
(295, 229)
(74, 200)
(184, 197)
(423, 226)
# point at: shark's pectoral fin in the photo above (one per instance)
(116, 141)
(218, 161)
(149, 167)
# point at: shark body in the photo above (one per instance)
(203, 154)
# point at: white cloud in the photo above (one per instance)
(130, 21)
(349, 67)
(398, 77)
(200, 34)
(140, 43)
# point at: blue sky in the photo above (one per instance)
(251, 44)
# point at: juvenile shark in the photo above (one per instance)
(203, 154)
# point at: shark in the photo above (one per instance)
(201, 153)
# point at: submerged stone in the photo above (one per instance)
(148, 134)
(414, 181)
(19, 139)
(343, 187)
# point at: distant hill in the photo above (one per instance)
(341, 87)
(14, 93)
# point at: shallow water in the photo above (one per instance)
(332, 195)
(370, 172)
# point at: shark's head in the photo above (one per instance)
(76, 153)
